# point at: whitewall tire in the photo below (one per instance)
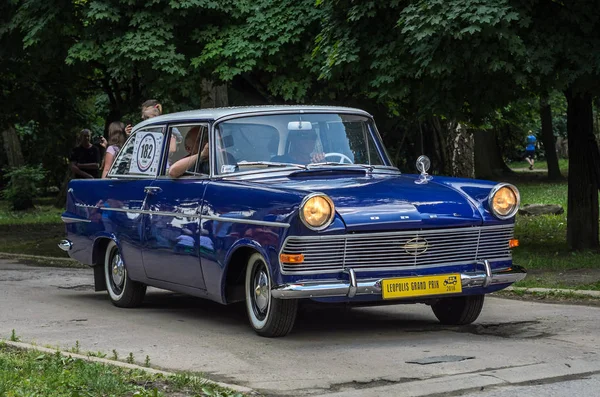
(122, 291)
(268, 316)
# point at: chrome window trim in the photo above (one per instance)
(365, 236)
(163, 163)
(110, 174)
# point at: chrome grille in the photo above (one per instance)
(388, 250)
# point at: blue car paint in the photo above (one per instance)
(364, 202)
(205, 267)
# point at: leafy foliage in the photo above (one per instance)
(23, 186)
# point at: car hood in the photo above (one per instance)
(384, 202)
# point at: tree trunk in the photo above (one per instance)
(213, 96)
(548, 138)
(584, 174)
(12, 147)
(460, 152)
(489, 163)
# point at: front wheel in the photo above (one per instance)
(268, 316)
(123, 291)
(458, 311)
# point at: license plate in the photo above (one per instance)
(408, 287)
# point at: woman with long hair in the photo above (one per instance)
(116, 140)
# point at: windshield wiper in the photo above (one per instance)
(270, 164)
(334, 163)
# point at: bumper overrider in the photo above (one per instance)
(353, 287)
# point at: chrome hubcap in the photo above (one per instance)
(118, 271)
(262, 294)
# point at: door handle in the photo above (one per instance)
(152, 190)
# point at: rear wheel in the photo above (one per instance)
(123, 291)
(458, 311)
(268, 316)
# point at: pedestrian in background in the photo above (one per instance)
(530, 149)
(85, 158)
(116, 140)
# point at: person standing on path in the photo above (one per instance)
(530, 149)
(85, 158)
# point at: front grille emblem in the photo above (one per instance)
(416, 246)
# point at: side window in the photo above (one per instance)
(140, 156)
(186, 141)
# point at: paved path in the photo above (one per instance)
(332, 351)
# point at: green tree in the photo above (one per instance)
(472, 56)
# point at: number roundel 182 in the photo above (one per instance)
(145, 153)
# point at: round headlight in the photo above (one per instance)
(317, 211)
(504, 201)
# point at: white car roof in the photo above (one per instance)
(218, 113)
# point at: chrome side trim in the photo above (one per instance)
(339, 288)
(140, 211)
(68, 219)
(181, 215)
(246, 221)
(65, 245)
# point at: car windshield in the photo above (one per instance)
(295, 140)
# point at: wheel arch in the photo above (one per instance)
(235, 269)
(98, 255)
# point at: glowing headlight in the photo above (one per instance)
(504, 201)
(317, 211)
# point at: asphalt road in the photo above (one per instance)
(515, 348)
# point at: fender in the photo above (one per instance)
(134, 270)
(230, 257)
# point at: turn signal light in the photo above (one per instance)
(291, 258)
(513, 243)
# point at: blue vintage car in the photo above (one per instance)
(275, 205)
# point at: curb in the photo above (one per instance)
(28, 346)
(574, 292)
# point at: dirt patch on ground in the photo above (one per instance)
(33, 239)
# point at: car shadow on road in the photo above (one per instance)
(315, 320)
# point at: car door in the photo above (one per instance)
(172, 235)
(122, 199)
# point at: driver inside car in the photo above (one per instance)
(192, 146)
(301, 149)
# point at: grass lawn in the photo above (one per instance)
(31, 373)
(33, 232)
(543, 248)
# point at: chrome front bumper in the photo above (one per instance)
(354, 287)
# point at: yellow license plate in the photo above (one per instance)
(408, 287)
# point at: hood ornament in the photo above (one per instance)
(423, 164)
